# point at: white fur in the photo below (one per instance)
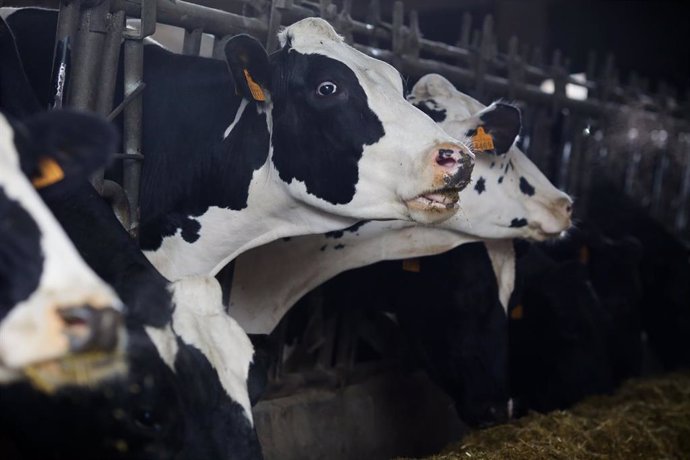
(200, 320)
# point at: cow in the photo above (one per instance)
(317, 137)
(664, 271)
(558, 334)
(186, 391)
(510, 198)
(457, 330)
(58, 319)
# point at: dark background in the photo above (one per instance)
(650, 37)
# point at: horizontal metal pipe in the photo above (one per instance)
(190, 16)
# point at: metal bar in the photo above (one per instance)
(128, 98)
(68, 22)
(133, 113)
(111, 58)
(190, 16)
(682, 217)
(87, 58)
(192, 42)
(105, 86)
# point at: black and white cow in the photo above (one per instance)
(185, 393)
(319, 137)
(53, 307)
(508, 191)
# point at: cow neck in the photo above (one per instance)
(270, 279)
(208, 191)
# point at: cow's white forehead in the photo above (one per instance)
(317, 36)
(308, 32)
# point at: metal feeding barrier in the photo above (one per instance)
(639, 139)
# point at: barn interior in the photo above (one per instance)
(603, 90)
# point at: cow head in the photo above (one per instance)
(510, 197)
(58, 320)
(343, 137)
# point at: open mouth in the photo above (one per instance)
(440, 200)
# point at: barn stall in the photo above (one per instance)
(343, 382)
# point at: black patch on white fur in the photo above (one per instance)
(480, 186)
(518, 223)
(526, 187)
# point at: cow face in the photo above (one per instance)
(51, 304)
(344, 139)
(511, 198)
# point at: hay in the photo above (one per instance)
(645, 419)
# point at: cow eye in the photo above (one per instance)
(326, 88)
(147, 420)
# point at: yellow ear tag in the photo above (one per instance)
(254, 88)
(411, 265)
(482, 141)
(50, 173)
(517, 312)
(584, 255)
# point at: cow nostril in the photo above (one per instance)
(90, 328)
(445, 157)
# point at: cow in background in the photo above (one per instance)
(58, 320)
(664, 272)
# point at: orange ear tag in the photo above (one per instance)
(482, 141)
(517, 312)
(49, 173)
(411, 265)
(254, 88)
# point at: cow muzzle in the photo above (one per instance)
(70, 345)
(452, 166)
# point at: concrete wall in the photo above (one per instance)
(387, 416)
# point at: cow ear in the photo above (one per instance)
(248, 63)
(497, 128)
(65, 145)
(432, 85)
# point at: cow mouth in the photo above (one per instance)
(445, 199)
(82, 369)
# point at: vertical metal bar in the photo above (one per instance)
(274, 20)
(192, 42)
(105, 91)
(111, 57)
(374, 18)
(133, 112)
(658, 184)
(88, 54)
(682, 216)
(68, 22)
(482, 64)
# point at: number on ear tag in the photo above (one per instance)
(482, 141)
